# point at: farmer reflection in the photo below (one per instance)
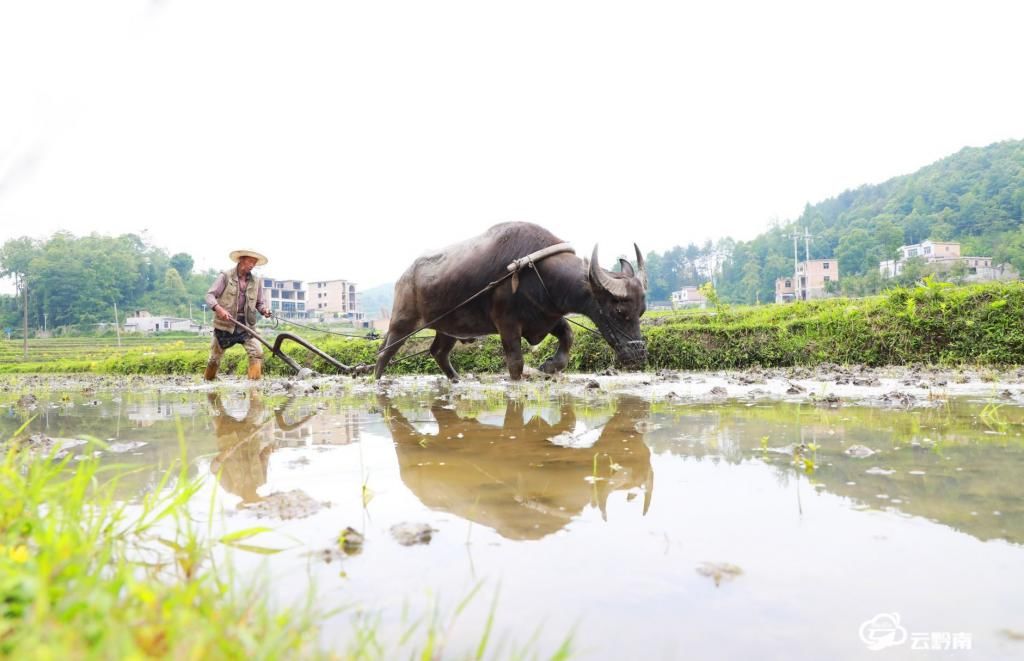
(513, 478)
(242, 458)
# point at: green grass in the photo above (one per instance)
(932, 324)
(74, 583)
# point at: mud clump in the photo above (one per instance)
(41, 446)
(830, 401)
(294, 504)
(411, 534)
(719, 571)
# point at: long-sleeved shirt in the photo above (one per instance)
(214, 292)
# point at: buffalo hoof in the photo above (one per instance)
(549, 366)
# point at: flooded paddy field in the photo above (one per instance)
(784, 514)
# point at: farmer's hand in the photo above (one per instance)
(222, 313)
(267, 313)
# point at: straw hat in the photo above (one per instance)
(239, 254)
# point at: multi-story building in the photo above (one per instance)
(688, 297)
(287, 297)
(810, 281)
(942, 256)
(932, 252)
(337, 298)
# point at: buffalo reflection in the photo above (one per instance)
(513, 478)
(242, 456)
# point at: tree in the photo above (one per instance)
(16, 258)
(183, 264)
(914, 270)
(751, 281)
(854, 251)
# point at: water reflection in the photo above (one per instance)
(512, 477)
(244, 445)
(944, 464)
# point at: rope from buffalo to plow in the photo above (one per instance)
(486, 289)
(586, 328)
(372, 335)
(552, 299)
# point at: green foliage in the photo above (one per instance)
(934, 322)
(76, 281)
(75, 585)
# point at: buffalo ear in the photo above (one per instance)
(599, 278)
(626, 268)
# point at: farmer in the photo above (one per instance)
(242, 457)
(244, 445)
(237, 294)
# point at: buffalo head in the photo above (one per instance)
(620, 300)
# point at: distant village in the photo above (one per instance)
(324, 301)
(819, 278)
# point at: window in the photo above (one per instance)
(269, 284)
(825, 266)
(827, 279)
(296, 285)
(789, 283)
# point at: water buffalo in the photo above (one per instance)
(515, 477)
(437, 283)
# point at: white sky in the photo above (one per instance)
(345, 138)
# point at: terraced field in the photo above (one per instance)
(78, 350)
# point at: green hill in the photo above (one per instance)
(975, 196)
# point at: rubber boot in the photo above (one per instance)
(211, 371)
(255, 370)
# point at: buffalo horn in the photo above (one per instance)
(641, 269)
(626, 267)
(600, 278)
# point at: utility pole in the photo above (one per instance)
(117, 325)
(807, 258)
(796, 268)
(24, 293)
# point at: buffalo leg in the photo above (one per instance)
(557, 362)
(511, 343)
(394, 331)
(440, 349)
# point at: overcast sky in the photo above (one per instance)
(343, 139)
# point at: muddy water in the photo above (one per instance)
(646, 526)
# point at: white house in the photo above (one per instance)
(144, 322)
(688, 297)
